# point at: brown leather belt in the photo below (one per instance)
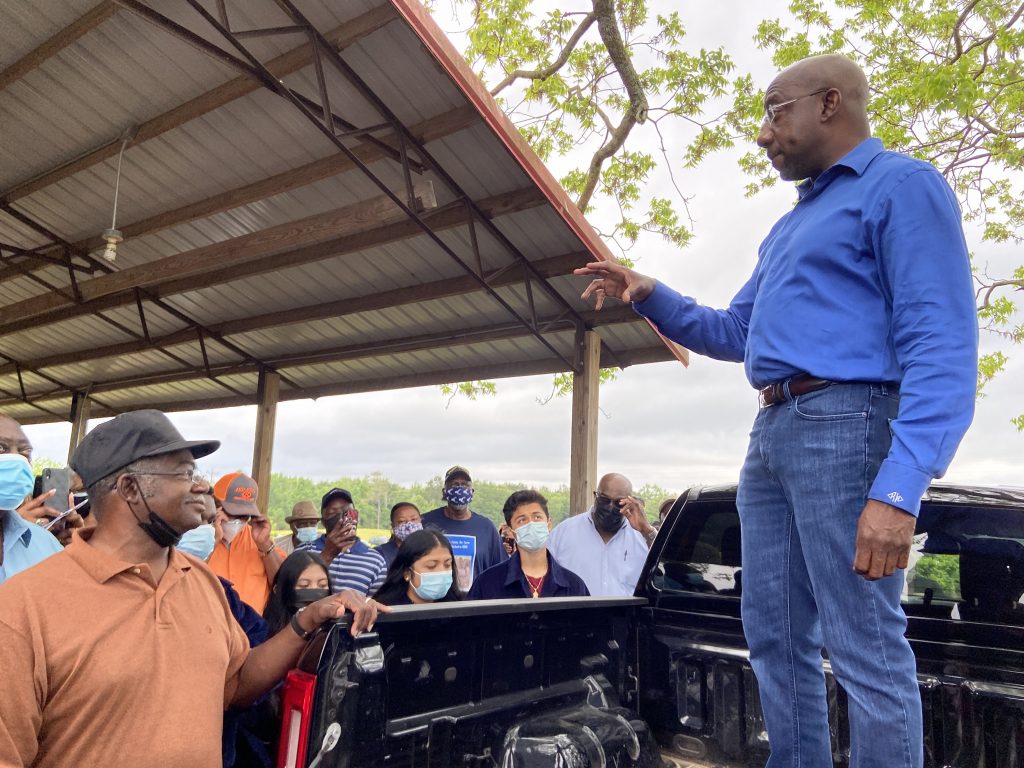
(800, 384)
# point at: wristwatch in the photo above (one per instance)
(297, 626)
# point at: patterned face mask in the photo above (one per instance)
(404, 530)
(458, 495)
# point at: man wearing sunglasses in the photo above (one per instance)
(606, 546)
(858, 327)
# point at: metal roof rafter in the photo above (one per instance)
(353, 78)
(259, 71)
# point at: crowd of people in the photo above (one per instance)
(164, 561)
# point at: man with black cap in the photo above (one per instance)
(351, 564)
(475, 540)
(121, 651)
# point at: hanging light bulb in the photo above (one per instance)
(112, 237)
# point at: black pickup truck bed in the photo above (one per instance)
(493, 683)
(966, 626)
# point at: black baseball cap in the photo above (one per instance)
(335, 493)
(129, 437)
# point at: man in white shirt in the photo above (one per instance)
(607, 545)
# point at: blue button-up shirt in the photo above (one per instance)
(867, 278)
(25, 544)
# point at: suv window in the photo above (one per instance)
(967, 562)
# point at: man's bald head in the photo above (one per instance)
(816, 112)
(615, 486)
(831, 70)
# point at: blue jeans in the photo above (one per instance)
(804, 483)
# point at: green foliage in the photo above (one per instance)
(574, 92)
(374, 496)
(941, 573)
(469, 389)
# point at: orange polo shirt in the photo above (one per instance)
(242, 565)
(102, 666)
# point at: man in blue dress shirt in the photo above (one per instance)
(22, 544)
(858, 327)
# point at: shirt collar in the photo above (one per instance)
(16, 528)
(515, 571)
(857, 160)
(102, 566)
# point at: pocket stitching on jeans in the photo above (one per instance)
(827, 417)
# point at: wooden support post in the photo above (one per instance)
(79, 421)
(267, 394)
(583, 458)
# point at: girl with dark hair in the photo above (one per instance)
(301, 580)
(423, 572)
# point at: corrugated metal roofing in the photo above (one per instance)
(341, 296)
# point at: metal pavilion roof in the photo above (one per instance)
(319, 188)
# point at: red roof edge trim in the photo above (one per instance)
(454, 64)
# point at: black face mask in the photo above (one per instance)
(330, 522)
(608, 516)
(304, 597)
(157, 528)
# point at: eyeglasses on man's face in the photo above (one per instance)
(193, 475)
(771, 111)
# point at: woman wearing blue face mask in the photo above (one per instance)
(423, 572)
(531, 571)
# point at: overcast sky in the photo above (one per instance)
(660, 423)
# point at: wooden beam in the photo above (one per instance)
(583, 447)
(54, 45)
(79, 421)
(655, 354)
(181, 272)
(340, 37)
(268, 391)
(555, 266)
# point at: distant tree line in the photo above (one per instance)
(374, 495)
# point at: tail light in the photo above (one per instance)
(296, 714)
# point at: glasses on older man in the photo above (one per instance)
(771, 111)
(192, 474)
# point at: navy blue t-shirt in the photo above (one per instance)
(475, 543)
(507, 581)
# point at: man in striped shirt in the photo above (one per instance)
(351, 564)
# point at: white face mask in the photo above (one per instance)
(229, 529)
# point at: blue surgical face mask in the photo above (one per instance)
(199, 542)
(16, 480)
(307, 535)
(532, 536)
(433, 584)
(458, 495)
